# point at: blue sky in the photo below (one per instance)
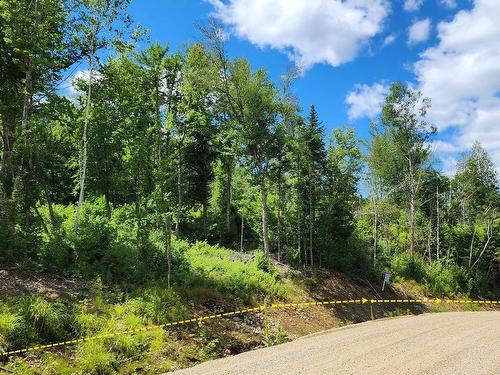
(353, 49)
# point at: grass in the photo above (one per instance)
(203, 274)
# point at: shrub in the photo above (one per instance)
(48, 320)
(93, 240)
(273, 336)
(94, 358)
(264, 264)
(408, 266)
(58, 252)
(448, 281)
(9, 324)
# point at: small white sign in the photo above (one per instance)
(387, 278)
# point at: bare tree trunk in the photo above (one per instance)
(489, 234)
(438, 224)
(472, 246)
(412, 207)
(311, 225)
(299, 250)
(83, 172)
(304, 247)
(429, 237)
(168, 246)
(229, 194)
(374, 233)
(179, 195)
(265, 235)
(7, 176)
(241, 235)
(279, 219)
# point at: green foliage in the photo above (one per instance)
(264, 264)
(440, 279)
(48, 320)
(210, 344)
(407, 266)
(9, 325)
(94, 358)
(272, 335)
(243, 279)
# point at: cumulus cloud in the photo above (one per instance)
(309, 32)
(461, 74)
(365, 100)
(412, 5)
(389, 39)
(419, 31)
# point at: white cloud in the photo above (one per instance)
(389, 39)
(412, 5)
(365, 100)
(451, 4)
(310, 32)
(419, 31)
(440, 147)
(461, 74)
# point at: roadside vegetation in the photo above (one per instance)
(177, 183)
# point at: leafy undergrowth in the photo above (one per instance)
(207, 280)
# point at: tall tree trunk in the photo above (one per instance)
(279, 219)
(311, 225)
(179, 194)
(265, 235)
(472, 246)
(438, 225)
(83, 171)
(429, 238)
(229, 193)
(241, 234)
(374, 233)
(412, 206)
(7, 175)
(489, 236)
(299, 250)
(168, 246)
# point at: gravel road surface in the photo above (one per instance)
(440, 343)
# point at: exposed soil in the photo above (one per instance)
(51, 285)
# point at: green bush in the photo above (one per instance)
(94, 358)
(58, 252)
(440, 279)
(448, 281)
(408, 266)
(264, 264)
(49, 321)
(9, 325)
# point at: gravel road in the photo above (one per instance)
(440, 343)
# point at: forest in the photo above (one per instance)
(159, 157)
